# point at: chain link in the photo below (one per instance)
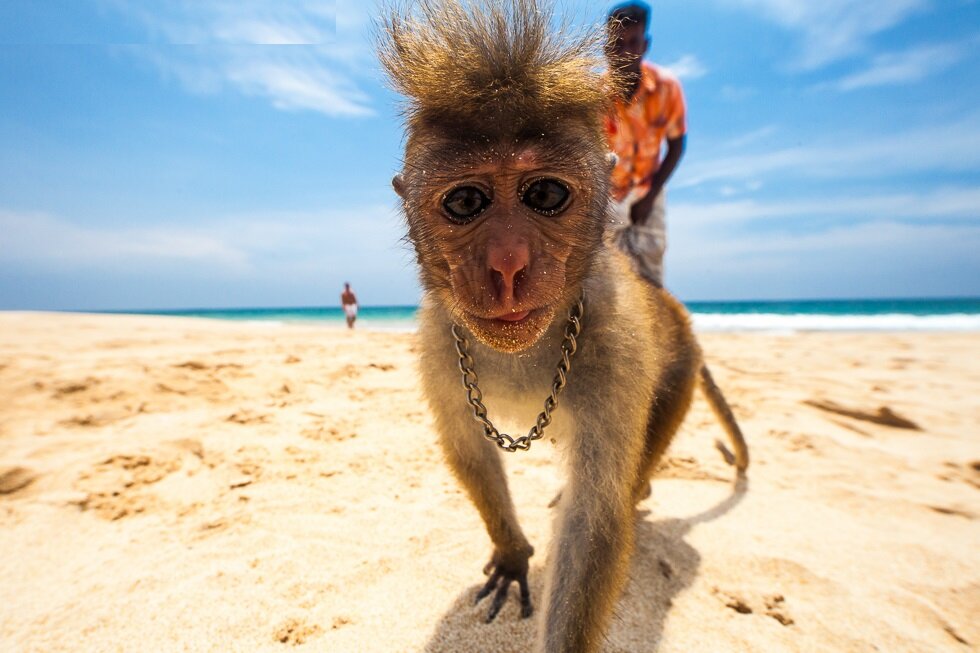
(474, 396)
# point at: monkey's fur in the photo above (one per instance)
(496, 100)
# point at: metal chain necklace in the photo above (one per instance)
(474, 396)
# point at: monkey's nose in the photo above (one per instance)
(508, 269)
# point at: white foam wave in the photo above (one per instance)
(827, 322)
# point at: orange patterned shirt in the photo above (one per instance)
(636, 132)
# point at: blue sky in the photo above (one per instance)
(185, 153)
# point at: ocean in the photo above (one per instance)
(772, 316)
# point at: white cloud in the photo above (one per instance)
(687, 67)
(256, 22)
(238, 246)
(953, 146)
(904, 67)
(754, 136)
(304, 86)
(292, 54)
(865, 259)
(275, 259)
(942, 203)
(37, 238)
(901, 243)
(832, 29)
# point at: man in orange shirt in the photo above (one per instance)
(650, 112)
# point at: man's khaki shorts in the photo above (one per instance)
(646, 243)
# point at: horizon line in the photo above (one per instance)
(941, 298)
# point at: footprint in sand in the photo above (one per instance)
(198, 366)
(733, 601)
(117, 486)
(798, 443)
(73, 387)
(340, 622)
(952, 511)
(95, 420)
(347, 372)
(248, 417)
(247, 462)
(296, 631)
(968, 473)
(685, 468)
(13, 479)
(192, 365)
(776, 608)
(884, 415)
(772, 605)
(325, 433)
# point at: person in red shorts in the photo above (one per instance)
(649, 113)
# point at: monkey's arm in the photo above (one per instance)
(476, 464)
(473, 460)
(675, 149)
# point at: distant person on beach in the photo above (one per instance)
(349, 301)
(650, 111)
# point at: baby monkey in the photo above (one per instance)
(505, 192)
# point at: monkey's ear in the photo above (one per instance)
(399, 185)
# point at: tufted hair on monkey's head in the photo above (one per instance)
(459, 61)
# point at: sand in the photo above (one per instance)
(188, 485)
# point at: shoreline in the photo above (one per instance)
(773, 324)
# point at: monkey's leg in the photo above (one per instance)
(590, 553)
(674, 395)
(476, 463)
(676, 390)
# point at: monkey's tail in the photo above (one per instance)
(724, 414)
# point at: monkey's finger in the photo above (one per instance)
(491, 583)
(526, 608)
(498, 599)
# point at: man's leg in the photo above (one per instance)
(652, 242)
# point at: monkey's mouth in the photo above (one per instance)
(510, 331)
(513, 317)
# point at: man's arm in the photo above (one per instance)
(675, 148)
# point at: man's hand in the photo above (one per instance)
(640, 212)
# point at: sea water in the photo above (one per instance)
(780, 316)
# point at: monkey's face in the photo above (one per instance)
(504, 238)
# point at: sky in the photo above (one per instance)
(172, 154)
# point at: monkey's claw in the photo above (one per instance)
(501, 579)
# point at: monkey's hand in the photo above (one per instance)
(504, 568)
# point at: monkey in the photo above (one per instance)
(504, 190)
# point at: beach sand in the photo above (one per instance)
(174, 484)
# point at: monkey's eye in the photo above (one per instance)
(465, 203)
(546, 196)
